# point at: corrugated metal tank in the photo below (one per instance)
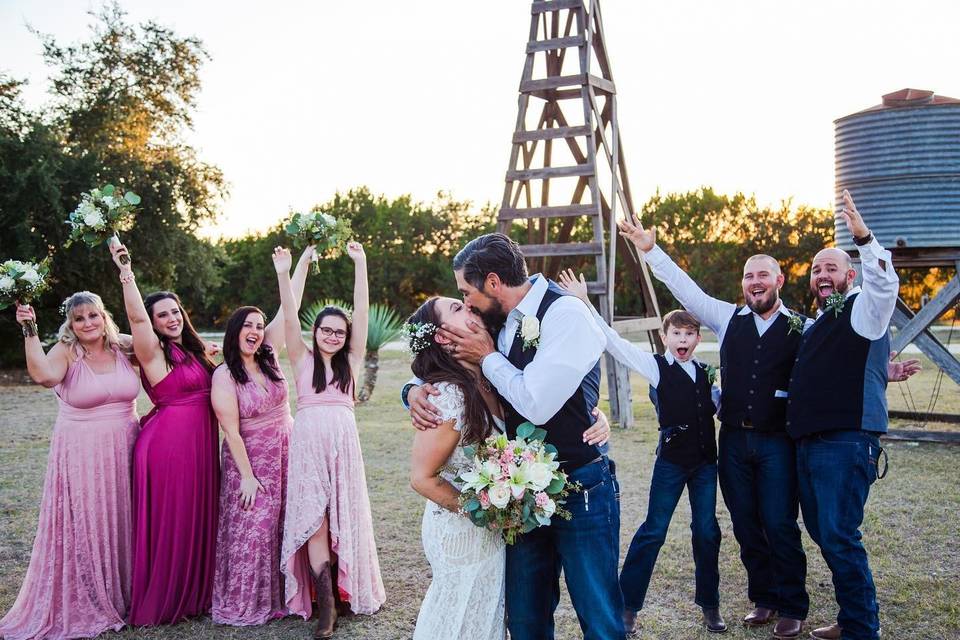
(900, 161)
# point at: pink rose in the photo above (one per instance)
(541, 499)
(484, 500)
(528, 456)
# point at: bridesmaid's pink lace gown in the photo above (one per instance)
(78, 581)
(326, 479)
(247, 587)
(176, 478)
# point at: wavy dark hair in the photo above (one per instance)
(433, 364)
(340, 363)
(190, 339)
(264, 356)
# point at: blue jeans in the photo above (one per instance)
(835, 470)
(758, 479)
(586, 548)
(666, 487)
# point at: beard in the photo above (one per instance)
(762, 305)
(838, 287)
(494, 316)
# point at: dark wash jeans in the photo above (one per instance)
(835, 471)
(666, 487)
(758, 480)
(586, 549)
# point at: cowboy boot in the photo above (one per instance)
(326, 605)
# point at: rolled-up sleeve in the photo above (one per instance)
(873, 308)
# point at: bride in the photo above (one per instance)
(466, 597)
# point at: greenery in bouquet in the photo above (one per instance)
(23, 282)
(101, 214)
(328, 233)
(514, 486)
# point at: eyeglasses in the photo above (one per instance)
(327, 331)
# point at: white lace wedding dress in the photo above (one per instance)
(466, 597)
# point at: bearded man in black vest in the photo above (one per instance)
(545, 365)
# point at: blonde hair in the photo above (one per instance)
(111, 338)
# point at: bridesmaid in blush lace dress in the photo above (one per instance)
(78, 581)
(175, 467)
(249, 396)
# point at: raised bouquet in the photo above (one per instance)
(514, 486)
(22, 282)
(100, 215)
(327, 233)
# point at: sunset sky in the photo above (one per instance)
(302, 99)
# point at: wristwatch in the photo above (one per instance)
(867, 239)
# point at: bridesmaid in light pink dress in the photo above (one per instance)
(328, 528)
(78, 581)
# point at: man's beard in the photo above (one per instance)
(494, 317)
(760, 307)
(838, 287)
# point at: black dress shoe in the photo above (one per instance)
(630, 622)
(713, 621)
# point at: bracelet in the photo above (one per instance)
(127, 278)
(27, 330)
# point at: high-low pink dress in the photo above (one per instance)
(78, 581)
(176, 478)
(247, 586)
(326, 478)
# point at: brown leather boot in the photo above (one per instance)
(326, 605)
(759, 617)
(827, 633)
(787, 629)
(630, 622)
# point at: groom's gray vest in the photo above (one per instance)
(565, 429)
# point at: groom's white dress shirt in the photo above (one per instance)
(570, 344)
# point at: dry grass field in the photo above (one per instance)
(911, 528)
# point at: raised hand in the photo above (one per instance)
(25, 314)
(121, 257)
(355, 251)
(309, 254)
(569, 283)
(282, 260)
(852, 218)
(632, 230)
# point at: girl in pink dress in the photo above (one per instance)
(328, 529)
(78, 581)
(175, 468)
(249, 396)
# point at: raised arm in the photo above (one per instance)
(713, 313)
(361, 307)
(296, 349)
(431, 450)
(275, 334)
(47, 369)
(146, 345)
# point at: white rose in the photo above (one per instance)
(539, 475)
(7, 283)
(529, 328)
(30, 276)
(328, 219)
(499, 496)
(549, 508)
(110, 201)
(93, 219)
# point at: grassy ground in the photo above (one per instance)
(910, 529)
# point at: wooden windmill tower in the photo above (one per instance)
(567, 167)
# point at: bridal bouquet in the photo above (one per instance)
(22, 282)
(514, 486)
(329, 234)
(101, 214)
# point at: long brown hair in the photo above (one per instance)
(340, 362)
(433, 364)
(190, 339)
(264, 356)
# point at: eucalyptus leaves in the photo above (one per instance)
(101, 214)
(22, 282)
(327, 233)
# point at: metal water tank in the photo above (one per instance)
(900, 160)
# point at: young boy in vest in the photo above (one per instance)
(683, 393)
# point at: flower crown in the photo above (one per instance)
(418, 335)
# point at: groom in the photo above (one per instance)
(545, 366)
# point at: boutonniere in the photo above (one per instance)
(795, 324)
(711, 372)
(529, 332)
(835, 302)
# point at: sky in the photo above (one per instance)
(304, 99)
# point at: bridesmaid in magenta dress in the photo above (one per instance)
(78, 581)
(250, 399)
(175, 468)
(328, 528)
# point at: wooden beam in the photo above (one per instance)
(568, 249)
(602, 84)
(550, 134)
(549, 212)
(575, 80)
(555, 5)
(940, 304)
(550, 172)
(928, 344)
(556, 43)
(636, 325)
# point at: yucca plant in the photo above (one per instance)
(383, 326)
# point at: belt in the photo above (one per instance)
(745, 424)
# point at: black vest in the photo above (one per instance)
(565, 429)
(685, 412)
(839, 380)
(753, 368)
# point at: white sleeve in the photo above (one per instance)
(873, 308)
(405, 389)
(714, 314)
(450, 404)
(570, 345)
(627, 353)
